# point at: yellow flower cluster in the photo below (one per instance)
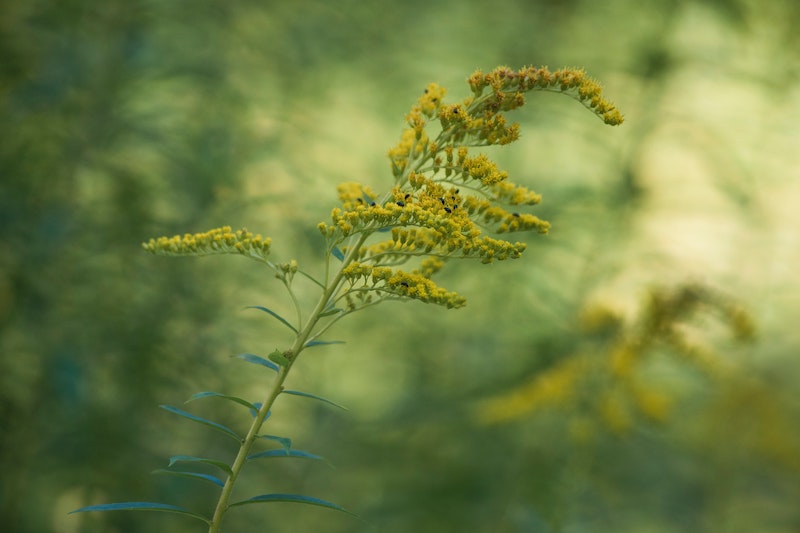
(428, 103)
(413, 144)
(508, 222)
(429, 267)
(414, 285)
(479, 120)
(216, 241)
(514, 194)
(508, 85)
(439, 222)
(482, 126)
(414, 141)
(482, 169)
(427, 212)
(353, 194)
(444, 197)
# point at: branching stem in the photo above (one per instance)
(276, 387)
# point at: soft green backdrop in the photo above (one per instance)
(126, 119)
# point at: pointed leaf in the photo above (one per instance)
(141, 506)
(312, 278)
(274, 314)
(294, 498)
(191, 459)
(196, 475)
(258, 360)
(219, 427)
(332, 311)
(257, 407)
(315, 397)
(309, 344)
(337, 253)
(284, 441)
(284, 453)
(209, 394)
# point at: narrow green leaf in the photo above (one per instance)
(295, 498)
(209, 394)
(284, 441)
(337, 253)
(312, 278)
(332, 311)
(219, 427)
(195, 475)
(141, 506)
(309, 344)
(191, 459)
(257, 406)
(315, 397)
(284, 453)
(279, 358)
(274, 314)
(258, 360)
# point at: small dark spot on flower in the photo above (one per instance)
(448, 209)
(401, 204)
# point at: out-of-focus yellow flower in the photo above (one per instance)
(552, 388)
(613, 387)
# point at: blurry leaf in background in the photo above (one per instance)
(111, 134)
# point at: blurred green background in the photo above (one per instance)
(124, 120)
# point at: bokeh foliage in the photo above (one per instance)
(126, 120)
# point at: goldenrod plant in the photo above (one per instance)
(448, 202)
(605, 381)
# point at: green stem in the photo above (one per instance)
(244, 450)
(274, 391)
